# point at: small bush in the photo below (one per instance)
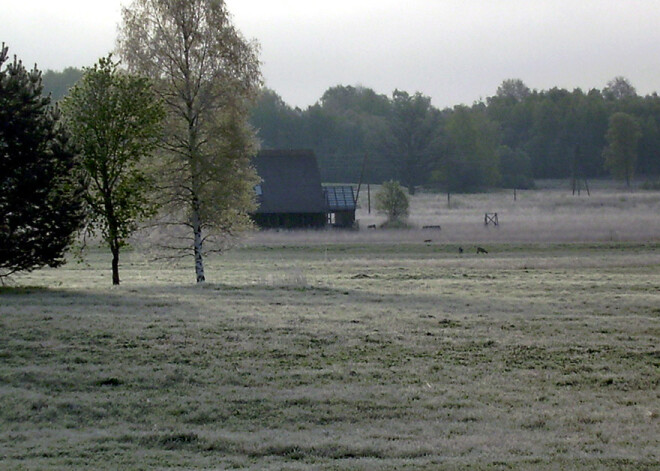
(392, 201)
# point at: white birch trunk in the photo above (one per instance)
(198, 241)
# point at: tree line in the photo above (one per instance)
(506, 140)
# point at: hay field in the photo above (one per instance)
(342, 355)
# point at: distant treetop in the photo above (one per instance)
(619, 88)
(57, 84)
(513, 88)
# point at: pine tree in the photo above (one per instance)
(40, 203)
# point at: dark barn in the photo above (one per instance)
(291, 196)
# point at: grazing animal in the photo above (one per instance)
(371, 226)
(460, 250)
(428, 241)
(481, 250)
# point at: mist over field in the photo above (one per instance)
(548, 215)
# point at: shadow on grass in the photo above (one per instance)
(22, 290)
(191, 299)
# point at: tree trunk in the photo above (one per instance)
(198, 241)
(411, 189)
(113, 238)
(195, 171)
(114, 248)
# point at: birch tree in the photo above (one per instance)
(207, 75)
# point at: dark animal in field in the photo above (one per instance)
(460, 250)
(428, 241)
(481, 250)
(371, 226)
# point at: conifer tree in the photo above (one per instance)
(40, 202)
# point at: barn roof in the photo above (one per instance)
(339, 198)
(291, 182)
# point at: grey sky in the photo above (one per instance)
(455, 51)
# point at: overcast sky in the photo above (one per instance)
(456, 51)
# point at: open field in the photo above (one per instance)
(338, 357)
(349, 351)
(550, 215)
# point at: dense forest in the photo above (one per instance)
(506, 140)
(57, 84)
